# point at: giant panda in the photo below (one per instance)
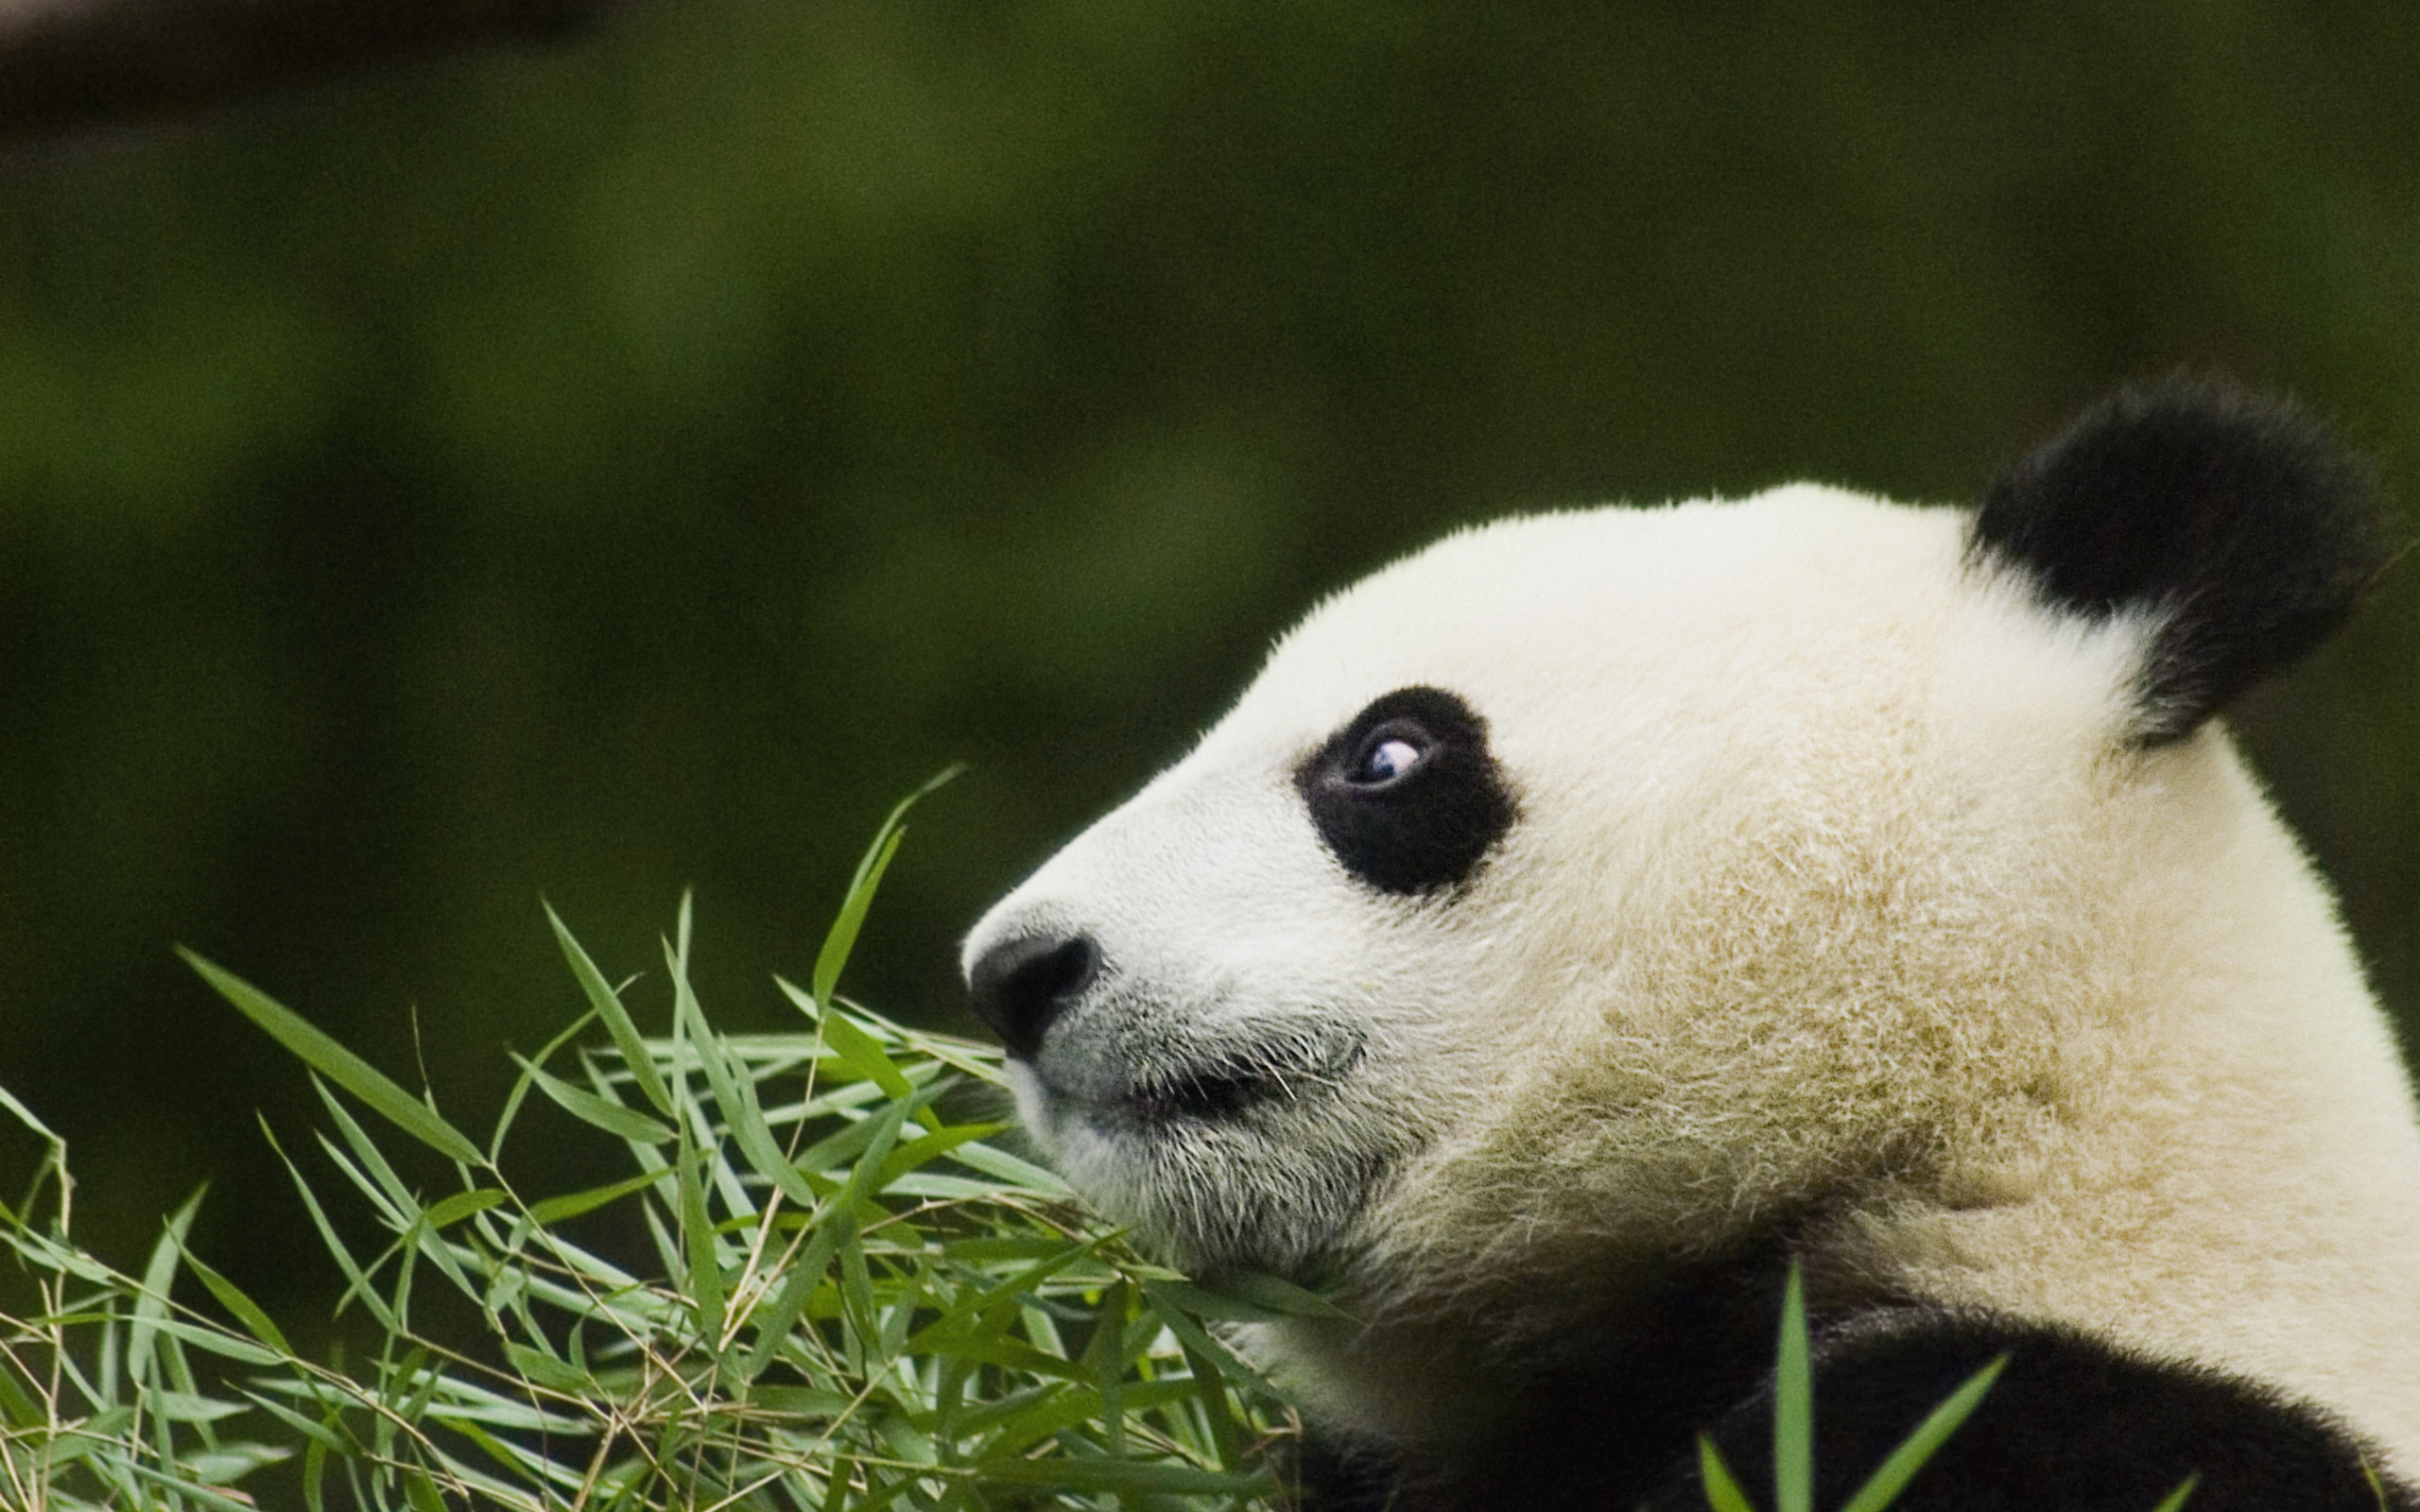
(1585, 919)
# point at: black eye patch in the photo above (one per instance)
(1407, 796)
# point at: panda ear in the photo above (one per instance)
(2239, 524)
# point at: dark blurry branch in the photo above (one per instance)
(71, 65)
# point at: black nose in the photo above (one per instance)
(1018, 986)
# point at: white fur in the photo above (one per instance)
(1836, 894)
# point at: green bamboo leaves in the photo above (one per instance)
(842, 1294)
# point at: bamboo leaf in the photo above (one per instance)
(1000, 1165)
(1124, 1476)
(1106, 1355)
(403, 1208)
(1196, 1339)
(591, 1109)
(608, 1005)
(930, 1146)
(357, 1281)
(856, 1285)
(842, 937)
(850, 1142)
(1793, 1406)
(1015, 1286)
(801, 1401)
(189, 1407)
(314, 1474)
(698, 1244)
(548, 1371)
(446, 1211)
(21, 1410)
(235, 1301)
(158, 1276)
(571, 1205)
(1722, 1492)
(422, 1492)
(1894, 1473)
(773, 1324)
(317, 1433)
(25, 1115)
(219, 1341)
(178, 1485)
(334, 1061)
(601, 1113)
(231, 1462)
(514, 1099)
(734, 1092)
(1257, 1296)
(865, 1177)
(861, 1053)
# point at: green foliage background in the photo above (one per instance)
(597, 471)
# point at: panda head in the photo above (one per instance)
(1595, 890)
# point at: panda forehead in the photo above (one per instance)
(1654, 603)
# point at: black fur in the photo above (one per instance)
(1427, 830)
(1601, 1437)
(2072, 1424)
(2239, 519)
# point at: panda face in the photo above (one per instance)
(1487, 815)
(1598, 903)
(1624, 882)
(1192, 1046)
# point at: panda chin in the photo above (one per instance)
(1244, 1152)
(1211, 1197)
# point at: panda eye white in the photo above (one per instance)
(1387, 760)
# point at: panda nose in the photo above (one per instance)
(1019, 985)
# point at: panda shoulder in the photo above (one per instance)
(2072, 1421)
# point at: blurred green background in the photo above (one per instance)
(595, 471)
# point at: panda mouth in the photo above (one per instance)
(1224, 1088)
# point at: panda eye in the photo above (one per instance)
(1407, 796)
(1389, 756)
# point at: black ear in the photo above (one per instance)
(2238, 520)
